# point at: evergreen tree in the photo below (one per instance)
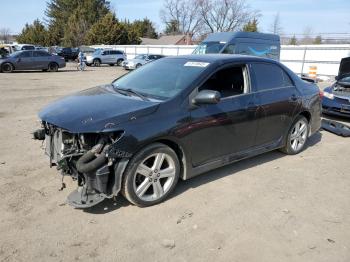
(35, 33)
(251, 26)
(317, 40)
(63, 15)
(109, 30)
(172, 28)
(293, 41)
(145, 28)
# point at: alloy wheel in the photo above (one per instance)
(154, 177)
(298, 135)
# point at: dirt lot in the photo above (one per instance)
(269, 208)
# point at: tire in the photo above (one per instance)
(111, 64)
(53, 67)
(138, 65)
(96, 62)
(297, 136)
(88, 64)
(143, 184)
(119, 62)
(7, 68)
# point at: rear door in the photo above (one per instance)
(41, 59)
(278, 100)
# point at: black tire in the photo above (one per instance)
(96, 62)
(7, 68)
(130, 176)
(289, 147)
(138, 65)
(111, 64)
(119, 62)
(53, 67)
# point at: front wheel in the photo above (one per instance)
(151, 175)
(96, 62)
(297, 136)
(7, 68)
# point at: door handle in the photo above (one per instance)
(293, 98)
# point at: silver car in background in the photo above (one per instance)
(31, 60)
(140, 60)
(105, 56)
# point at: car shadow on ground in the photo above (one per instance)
(40, 71)
(110, 205)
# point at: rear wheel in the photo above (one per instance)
(151, 175)
(297, 136)
(96, 62)
(7, 68)
(53, 67)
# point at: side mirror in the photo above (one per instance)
(206, 97)
(336, 78)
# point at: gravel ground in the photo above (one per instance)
(269, 208)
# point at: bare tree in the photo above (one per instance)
(276, 27)
(307, 36)
(224, 15)
(5, 34)
(183, 13)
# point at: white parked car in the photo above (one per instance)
(140, 60)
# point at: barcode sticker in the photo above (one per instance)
(197, 64)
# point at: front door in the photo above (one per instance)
(24, 61)
(228, 127)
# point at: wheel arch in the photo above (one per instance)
(179, 152)
(13, 66)
(306, 114)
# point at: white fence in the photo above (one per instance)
(298, 58)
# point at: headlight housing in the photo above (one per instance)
(328, 95)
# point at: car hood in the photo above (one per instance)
(344, 67)
(98, 109)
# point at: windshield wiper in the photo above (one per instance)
(131, 91)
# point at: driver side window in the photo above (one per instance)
(228, 81)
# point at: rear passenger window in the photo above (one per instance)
(270, 76)
(40, 53)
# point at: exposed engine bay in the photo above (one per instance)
(91, 159)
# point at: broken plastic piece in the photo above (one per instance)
(336, 127)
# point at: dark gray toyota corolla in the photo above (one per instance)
(175, 118)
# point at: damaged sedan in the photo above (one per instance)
(336, 98)
(173, 119)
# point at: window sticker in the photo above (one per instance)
(196, 64)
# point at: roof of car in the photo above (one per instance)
(211, 58)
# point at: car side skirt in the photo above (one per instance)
(229, 159)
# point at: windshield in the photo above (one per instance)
(149, 80)
(209, 48)
(140, 57)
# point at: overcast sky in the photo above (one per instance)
(323, 16)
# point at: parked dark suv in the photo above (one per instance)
(68, 53)
(176, 117)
